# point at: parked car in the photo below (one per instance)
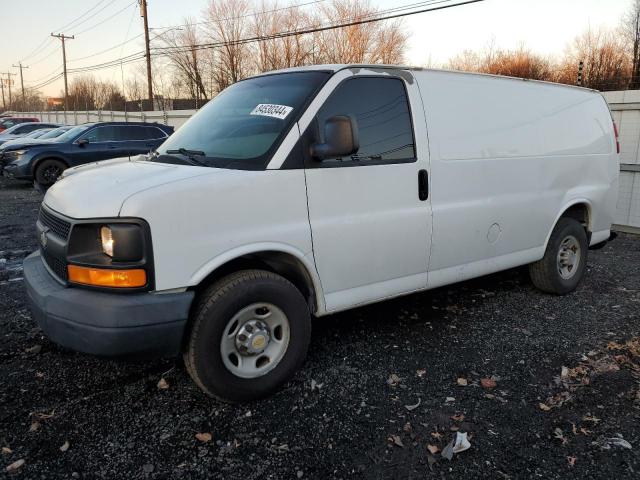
(315, 190)
(8, 122)
(26, 142)
(22, 129)
(36, 133)
(90, 142)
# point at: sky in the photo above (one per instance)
(546, 26)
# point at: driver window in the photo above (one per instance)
(381, 109)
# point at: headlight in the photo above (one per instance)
(106, 236)
(114, 254)
(18, 153)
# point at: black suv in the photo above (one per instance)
(90, 142)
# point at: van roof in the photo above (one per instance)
(335, 67)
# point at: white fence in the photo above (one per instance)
(175, 118)
(625, 106)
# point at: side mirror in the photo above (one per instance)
(82, 142)
(340, 138)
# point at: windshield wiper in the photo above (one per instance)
(190, 154)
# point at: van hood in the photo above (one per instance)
(99, 189)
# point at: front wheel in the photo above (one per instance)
(250, 332)
(564, 261)
(48, 171)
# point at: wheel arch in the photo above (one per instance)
(282, 260)
(46, 156)
(579, 209)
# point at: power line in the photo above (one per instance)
(73, 24)
(106, 19)
(42, 44)
(374, 17)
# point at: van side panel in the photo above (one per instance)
(507, 158)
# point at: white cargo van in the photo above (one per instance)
(309, 191)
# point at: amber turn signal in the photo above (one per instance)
(100, 277)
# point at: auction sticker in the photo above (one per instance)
(272, 110)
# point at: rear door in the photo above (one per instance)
(370, 222)
(142, 139)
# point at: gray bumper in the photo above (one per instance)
(104, 323)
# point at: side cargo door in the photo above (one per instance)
(370, 214)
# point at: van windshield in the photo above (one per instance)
(242, 126)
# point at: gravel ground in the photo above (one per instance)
(350, 412)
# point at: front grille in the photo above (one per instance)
(56, 265)
(54, 223)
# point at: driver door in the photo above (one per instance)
(371, 230)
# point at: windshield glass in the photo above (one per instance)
(70, 135)
(239, 127)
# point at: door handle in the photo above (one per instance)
(423, 185)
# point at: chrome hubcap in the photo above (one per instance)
(255, 340)
(568, 257)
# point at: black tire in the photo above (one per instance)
(48, 171)
(216, 306)
(546, 273)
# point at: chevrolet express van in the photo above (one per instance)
(313, 190)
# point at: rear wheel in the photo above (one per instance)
(250, 332)
(48, 171)
(564, 261)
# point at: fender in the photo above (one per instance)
(568, 205)
(235, 253)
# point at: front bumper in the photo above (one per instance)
(17, 171)
(104, 323)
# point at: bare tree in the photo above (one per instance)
(607, 65)
(630, 28)
(227, 25)
(185, 57)
(374, 42)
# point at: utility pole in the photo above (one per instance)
(63, 37)
(4, 104)
(21, 79)
(9, 86)
(143, 14)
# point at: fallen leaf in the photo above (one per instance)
(6, 451)
(559, 434)
(163, 384)
(450, 399)
(407, 428)
(436, 435)
(65, 446)
(571, 461)
(34, 349)
(488, 383)
(395, 439)
(462, 382)
(421, 373)
(544, 407)
(315, 385)
(588, 418)
(584, 431)
(458, 417)
(15, 466)
(204, 437)
(34, 426)
(39, 375)
(414, 406)
(433, 449)
(393, 380)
